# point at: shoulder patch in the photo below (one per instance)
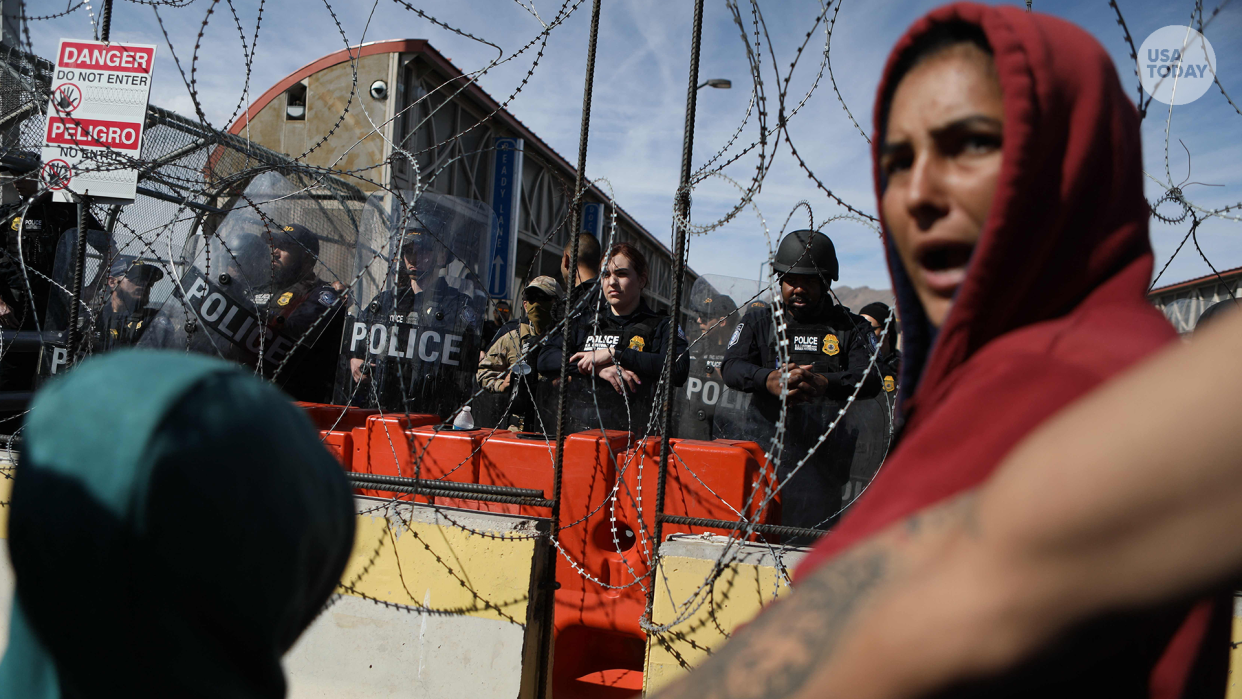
(681, 333)
(468, 315)
(327, 297)
(737, 334)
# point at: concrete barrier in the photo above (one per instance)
(750, 581)
(429, 609)
(6, 569)
(1233, 690)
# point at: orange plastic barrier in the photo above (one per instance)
(336, 424)
(718, 480)
(598, 646)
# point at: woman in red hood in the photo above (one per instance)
(1008, 170)
(1009, 174)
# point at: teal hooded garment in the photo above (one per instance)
(175, 525)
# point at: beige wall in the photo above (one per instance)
(357, 142)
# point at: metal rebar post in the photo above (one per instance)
(742, 526)
(486, 489)
(545, 642)
(576, 221)
(679, 269)
(79, 269)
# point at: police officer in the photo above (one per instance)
(618, 351)
(415, 346)
(501, 318)
(507, 367)
(303, 308)
(125, 315)
(889, 361)
(828, 353)
(33, 239)
(715, 316)
(872, 420)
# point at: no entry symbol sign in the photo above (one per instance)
(67, 98)
(56, 174)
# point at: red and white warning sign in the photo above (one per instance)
(95, 118)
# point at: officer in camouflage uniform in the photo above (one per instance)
(508, 366)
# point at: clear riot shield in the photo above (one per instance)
(413, 335)
(705, 408)
(101, 254)
(257, 291)
(873, 419)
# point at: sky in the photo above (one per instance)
(639, 98)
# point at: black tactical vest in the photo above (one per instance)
(822, 347)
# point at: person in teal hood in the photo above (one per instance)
(175, 525)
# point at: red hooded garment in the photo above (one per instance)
(1054, 303)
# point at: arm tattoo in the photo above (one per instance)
(784, 646)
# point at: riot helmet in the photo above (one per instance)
(806, 252)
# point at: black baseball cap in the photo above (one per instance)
(136, 269)
(296, 237)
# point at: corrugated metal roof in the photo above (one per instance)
(1225, 275)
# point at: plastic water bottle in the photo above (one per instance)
(464, 420)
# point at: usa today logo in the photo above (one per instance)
(1176, 64)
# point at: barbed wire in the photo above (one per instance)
(218, 205)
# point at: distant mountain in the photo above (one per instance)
(855, 299)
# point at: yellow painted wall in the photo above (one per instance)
(417, 563)
(738, 595)
(6, 491)
(1234, 688)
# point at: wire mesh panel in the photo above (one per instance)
(201, 191)
(369, 294)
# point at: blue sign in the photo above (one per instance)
(593, 219)
(506, 194)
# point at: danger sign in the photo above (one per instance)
(92, 55)
(98, 107)
(94, 133)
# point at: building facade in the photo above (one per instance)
(399, 115)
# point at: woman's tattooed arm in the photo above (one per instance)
(782, 651)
